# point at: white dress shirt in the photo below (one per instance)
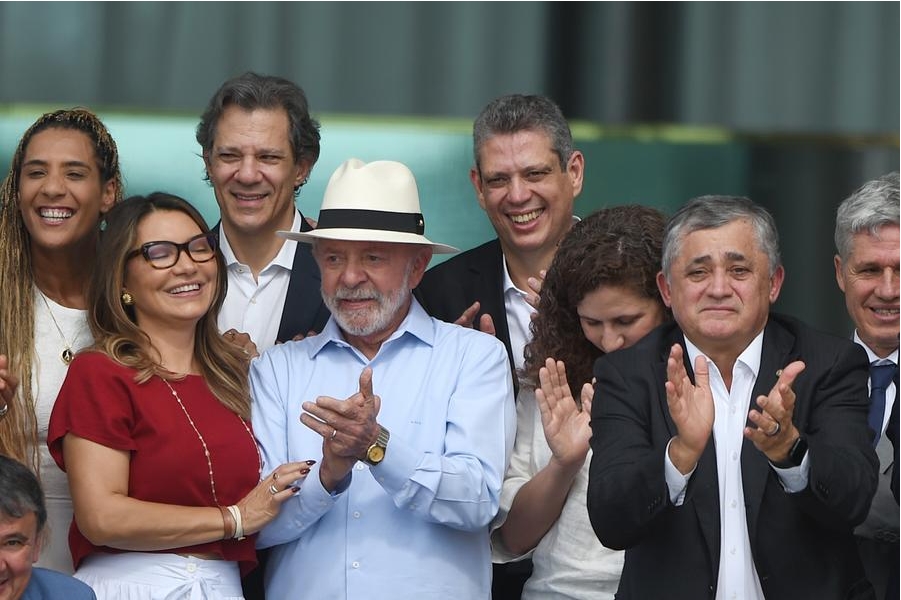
(254, 306)
(519, 315)
(737, 577)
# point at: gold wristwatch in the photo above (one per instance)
(376, 452)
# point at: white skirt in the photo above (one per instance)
(150, 576)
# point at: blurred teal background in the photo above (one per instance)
(794, 104)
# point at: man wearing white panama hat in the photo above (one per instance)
(412, 417)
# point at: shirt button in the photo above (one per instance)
(735, 456)
(359, 467)
(732, 410)
(356, 514)
(355, 565)
(253, 300)
(734, 504)
(192, 567)
(732, 550)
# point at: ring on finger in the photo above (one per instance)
(775, 430)
(275, 476)
(273, 490)
(334, 433)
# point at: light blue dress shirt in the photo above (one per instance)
(416, 525)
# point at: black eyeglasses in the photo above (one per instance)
(164, 254)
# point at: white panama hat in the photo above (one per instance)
(371, 202)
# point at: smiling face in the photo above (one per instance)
(869, 279)
(61, 195)
(720, 289)
(177, 296)
(524, 192)
(253, 171)
(614, 316)
(367, 285)
(19, 549)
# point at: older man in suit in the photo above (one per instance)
(866, 269)
(731, 454)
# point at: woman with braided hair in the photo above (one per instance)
(64, 176)
(599, 295)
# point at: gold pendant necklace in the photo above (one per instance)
(67, 354)
(206, 450)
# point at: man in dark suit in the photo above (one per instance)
(866, 269)
(259, 145)
(526, 177)
(731, 454)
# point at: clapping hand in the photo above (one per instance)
(566, 424)
(691, 408)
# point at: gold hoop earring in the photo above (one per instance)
(127, 298)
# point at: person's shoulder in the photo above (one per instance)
(94, 361)
(449, 333)
(481, 255)
(652, 347)
(807, 337)
(46, 584)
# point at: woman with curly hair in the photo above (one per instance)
(64, 176)
(599, 295)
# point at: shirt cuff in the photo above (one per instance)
(794, 479)
(676, 482)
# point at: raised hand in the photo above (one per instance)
(348, 427)
(775, 432)
(485, 324)
(691, 408)
(565, 423)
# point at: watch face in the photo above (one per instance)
(375, 454)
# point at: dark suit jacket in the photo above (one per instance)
(802, 543)
(447, 289)
(304, 310)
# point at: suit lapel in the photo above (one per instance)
(304, 310)
(755, 469)
(488, 272)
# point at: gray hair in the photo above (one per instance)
(22, 493)
(251, 91)
(873, 205)
(711, 212)
(518, 112)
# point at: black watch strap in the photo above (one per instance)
(795, 454)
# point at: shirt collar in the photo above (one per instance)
(284, 258)
(871, 356)
(750, 356)
(417, 323)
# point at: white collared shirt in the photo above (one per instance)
(737, 577)
(890, 391)
(254, 306)
(519, 315)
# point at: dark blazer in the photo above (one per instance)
(304, 310)
(802, 544)
(447, 289)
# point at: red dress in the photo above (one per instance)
(101, 402)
